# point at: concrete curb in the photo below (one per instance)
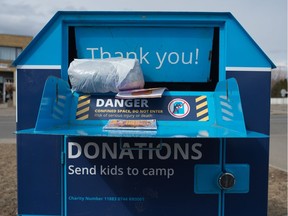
(8, 141)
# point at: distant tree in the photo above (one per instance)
(277, 87)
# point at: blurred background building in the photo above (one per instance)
(10, 48)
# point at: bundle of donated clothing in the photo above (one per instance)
(105, 75)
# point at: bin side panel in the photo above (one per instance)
(255, 97)
(254, 152)
(39, 175)
(30, 85)
(38, 157)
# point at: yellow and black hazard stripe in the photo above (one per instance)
(202, 113)
(83, 107)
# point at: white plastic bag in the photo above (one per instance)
(105, 75)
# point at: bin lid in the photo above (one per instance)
(54, 37)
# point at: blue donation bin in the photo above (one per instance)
(209, 154)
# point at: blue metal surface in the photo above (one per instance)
(228, 106)
(255, 98)
(112, 189)
(161, 51)
(206, 177)
(241, 172)
(243, 151)
(45, 48)
(30, 86)
(50, 37)
(36, 215)
(254, 152)
(162, 132)
(57, 115)
(39, 174)
(55, 107)
(38, 161)
(241, 46)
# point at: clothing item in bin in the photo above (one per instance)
(105, 75)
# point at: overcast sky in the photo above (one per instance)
(264, 20)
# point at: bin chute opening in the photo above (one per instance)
(208, 85)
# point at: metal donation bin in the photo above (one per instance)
(207, 157)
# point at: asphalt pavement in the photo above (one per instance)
(278, 137)
(7, 125)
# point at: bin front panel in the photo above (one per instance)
(163, 52)
(137, 176)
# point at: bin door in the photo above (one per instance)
(137, 176)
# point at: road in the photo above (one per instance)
(7, 125)
(278, 137)
(278, 141)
